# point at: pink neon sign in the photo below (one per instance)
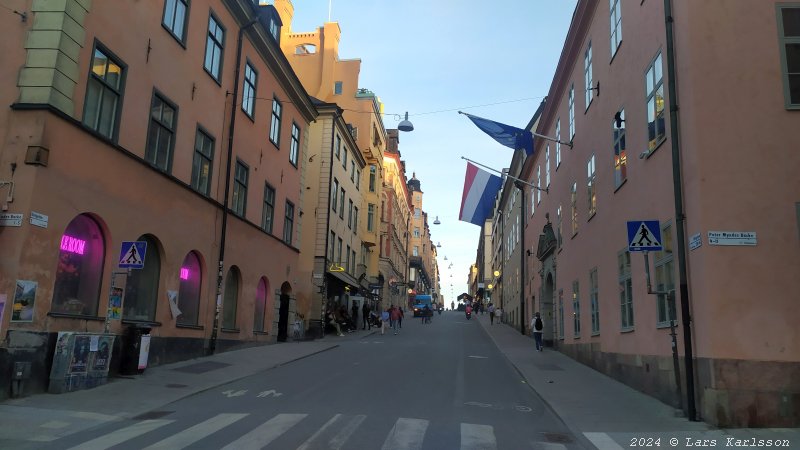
(184, 273)
(72, 245)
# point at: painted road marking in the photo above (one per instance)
(602, 441)
(406, 434)
(477, 437)
(266, 432)
(118, 437)
(191, 435)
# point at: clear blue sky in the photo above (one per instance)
(434, 57)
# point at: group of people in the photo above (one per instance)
(338, 318)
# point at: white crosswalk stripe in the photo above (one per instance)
(477, 437)
(406, 434)
(602, 441)
(118, 437)
(191, 435)
(266, 432)
(323, 439)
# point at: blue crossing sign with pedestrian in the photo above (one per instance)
(644, 236)
(131, 255)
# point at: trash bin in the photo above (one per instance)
(134, 349)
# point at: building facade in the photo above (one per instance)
(106, 144)
(691, 133)
(395, 220)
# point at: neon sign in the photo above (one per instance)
(184, 273)
(72, 245)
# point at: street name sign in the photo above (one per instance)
(644, 236)
(732, 238)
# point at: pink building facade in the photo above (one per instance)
(736, 110)
(121, 133)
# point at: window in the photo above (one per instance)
(416, 232)
(558, 144)
(587, 74)
(538, 183)
(371, 217)
(416, 251)
(547, 166)
(417, 213)
(571, 111)
(341, 203)
(275, 125)
(355, 219)
(294, 147)
(591, 189)
(533, 202)
(620, 154)
(191, 279)
(593, 299)
(335, 194)
(347, 258)
(789, 37)
(141, 289)
(337, 148)
(175, 18)
(161, 134)
(665, 277)
(202, 161)
(655, 104)
(231, 298)
(288, 223)
(260, 313)
(574, 201)
(352, 171)
(353, 262)
(103, 93)
(350, 213)
(576, 309)
(344, 158)
(339, 251)
(561, 314)
(358, 179)
(372, 173)
(249, 90)
(215, 42)
(332, 245)
(337, 88)
(240, 188)
(559, 233)
(616, 25)
(625, 289)
(79, 272)
(268, 213)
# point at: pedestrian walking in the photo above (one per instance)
(394, 316)
(384, 321)
(538, 329)
(354, 314)
(491, 314)
(365, 317)
(400, 319)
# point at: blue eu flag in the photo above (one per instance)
(512, 137)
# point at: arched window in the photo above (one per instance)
(80, 268)
(261, 304)
(141, 291)
(191, 278)
(231, 298)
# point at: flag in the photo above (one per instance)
(512, 137)
(480, 189)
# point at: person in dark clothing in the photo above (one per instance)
(354, 314)
(365, 317)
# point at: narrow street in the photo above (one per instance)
(443, 385)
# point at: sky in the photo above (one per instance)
(433, 58)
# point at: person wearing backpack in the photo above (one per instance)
(538, 329)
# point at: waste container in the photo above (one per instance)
(135, 349)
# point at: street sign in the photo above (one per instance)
(10, 220)
(39, 220)
(732, 238)
(695, 241)
(131, 255)
(644, 236)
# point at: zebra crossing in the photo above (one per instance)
(335, 434)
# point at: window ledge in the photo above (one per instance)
(260, 333)
(75, 316)
(146, 323)
(649, 152)
(576, 338)
(620, 185)
(627, 329)
(189, 326)
(230, 330)
(596, 333)
(665, 325)
(594, 213)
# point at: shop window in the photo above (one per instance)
(191, 278)
(141, 291)
(231, 299)
(261, 305)
(80, 268)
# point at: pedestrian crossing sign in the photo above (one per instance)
(131, 255)
(644, 236)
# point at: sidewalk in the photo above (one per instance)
(46, 417)
(602, 411)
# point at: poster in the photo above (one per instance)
(93, 343)
(115, 303)
(62, 341)
(103, 353)
(144, 351)
(80, 355)
(24, 298)
(172, 298)
(3, 299)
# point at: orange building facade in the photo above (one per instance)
(119, 134)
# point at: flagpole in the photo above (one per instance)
(546, 190)
(568, 144)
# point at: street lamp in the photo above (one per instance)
(405, 125)
(439, 245)
(436, 221)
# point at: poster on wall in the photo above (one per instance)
(144, 351)
(3, 299)
(172, 298)
(101, 358)
(115, 303)
(62, 341)
(80, 355)
(24, 299)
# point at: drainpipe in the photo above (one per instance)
(212, 345)
(522, 318)
(327, 227)
(677, 184)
